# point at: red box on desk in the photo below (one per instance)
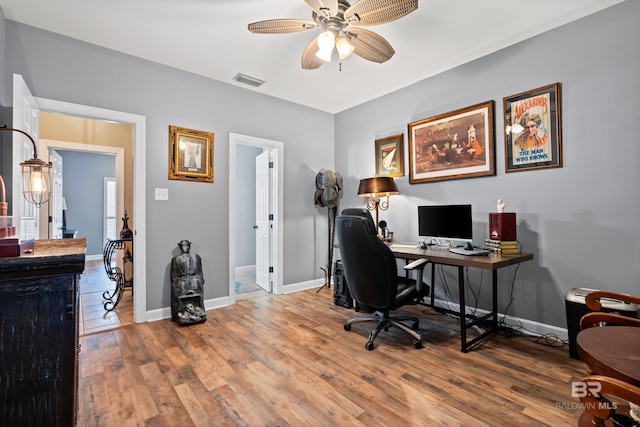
(15, 247)
(502, 226)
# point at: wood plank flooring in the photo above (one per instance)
(285, 360)
(93, 317)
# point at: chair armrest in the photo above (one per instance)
(590, 320)
(419, 263)
(593, 299)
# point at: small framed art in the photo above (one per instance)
(533, 139)
(390, 156)
(459, 144)
(190, 154)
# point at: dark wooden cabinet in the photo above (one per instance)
(39, 346)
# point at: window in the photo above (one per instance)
(109, 228)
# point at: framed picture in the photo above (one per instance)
(390, 156)
(459, 144)
(190, 154)
(532, 127)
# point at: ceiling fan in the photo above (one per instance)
(340, 23)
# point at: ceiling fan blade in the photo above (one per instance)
(309, 59)
(282, 26)
(376, 12)
(330, 6)
(370, 46)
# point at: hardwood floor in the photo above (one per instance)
(93, 317)
(285, 360)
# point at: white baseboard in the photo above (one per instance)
(302, 286)
(525, 326)
(522, 325)
(245, 269)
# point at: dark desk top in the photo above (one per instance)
(440, 255)
(613, 351)
(49, 257)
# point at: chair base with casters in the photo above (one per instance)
(384, 322)
(408, 292)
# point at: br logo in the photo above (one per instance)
(586, 388)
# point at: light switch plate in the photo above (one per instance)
(162, 194)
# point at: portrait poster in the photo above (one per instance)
(190, 154)
(459, 144)
(390, 156)
(532, 129)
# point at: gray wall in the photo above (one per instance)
(246, 202)
(83, 188)
(61, 68)
(580, 221)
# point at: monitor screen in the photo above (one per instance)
(446, 222)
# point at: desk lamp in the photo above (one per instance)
(35, 174)
(375, 188)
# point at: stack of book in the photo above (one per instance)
(504, 247)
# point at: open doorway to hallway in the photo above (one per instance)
(249, 256)
(137, 193)
(91, 152)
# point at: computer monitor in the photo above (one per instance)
(445, 222)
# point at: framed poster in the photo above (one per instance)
(390, 156)
(459, 144)
(532, 126)
(190, 154)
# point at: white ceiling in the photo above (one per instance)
(210, 38)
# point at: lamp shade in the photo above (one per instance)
(377, 186)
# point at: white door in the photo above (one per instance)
(26, 117)
(55, 203)
(263, 224)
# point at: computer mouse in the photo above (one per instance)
(423, 245)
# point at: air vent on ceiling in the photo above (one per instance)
(251, 81)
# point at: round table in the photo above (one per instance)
(613, 351)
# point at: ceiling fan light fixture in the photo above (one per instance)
(344, 47)
(326, 40)
(324, 54)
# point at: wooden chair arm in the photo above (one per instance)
(590, 320)
(593, 299)
(598, 406)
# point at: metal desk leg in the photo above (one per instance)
(494, 318)
(463, 314)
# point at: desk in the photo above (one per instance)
(115, 273)
(491, 262)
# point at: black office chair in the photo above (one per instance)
(372, 278)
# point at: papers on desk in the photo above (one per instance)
(463, 251)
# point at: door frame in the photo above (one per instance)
(139, 187)
(277, 148)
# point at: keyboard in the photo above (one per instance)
(473, 252)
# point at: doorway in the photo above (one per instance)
(139, 184)
(276, 150)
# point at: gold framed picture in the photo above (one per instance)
(459, 144)
(190, 154)
(390, 156)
